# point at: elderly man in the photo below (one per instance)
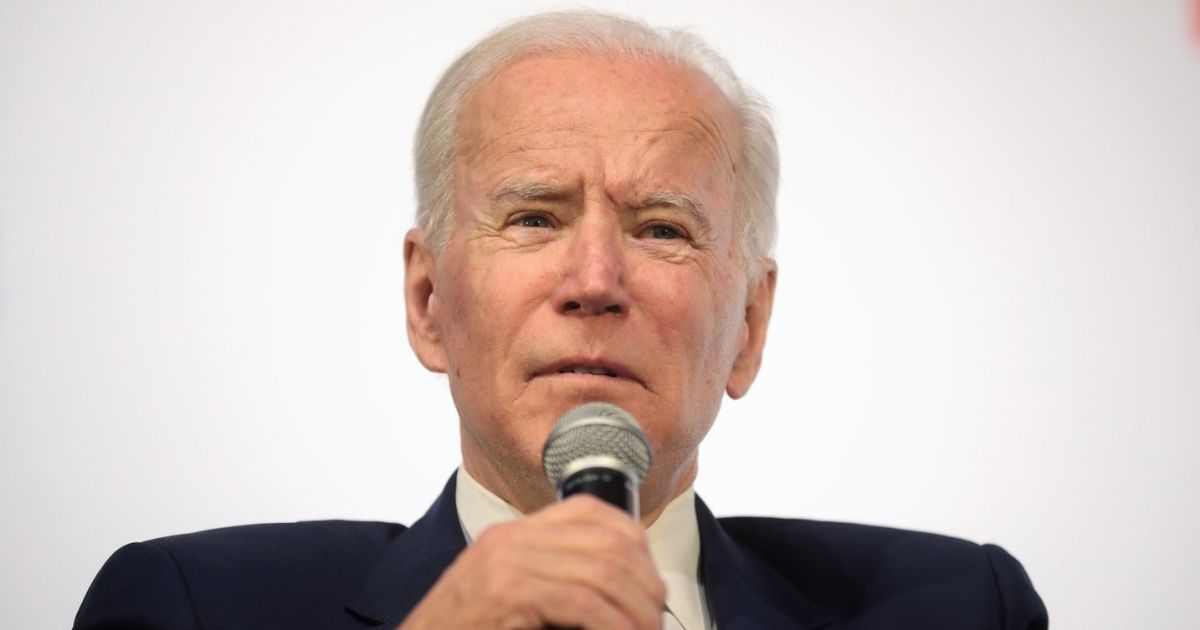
(595, 218)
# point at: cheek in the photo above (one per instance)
(698, 325)
(467, 339)
(486, 300)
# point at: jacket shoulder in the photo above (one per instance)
(868, 574)
(261, 575)
(271, 542)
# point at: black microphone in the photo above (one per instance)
(599, 449)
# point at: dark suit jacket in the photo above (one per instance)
(758, 573)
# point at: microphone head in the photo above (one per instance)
(596, 433)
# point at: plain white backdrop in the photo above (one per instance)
(987, 324)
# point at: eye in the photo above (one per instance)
(663, 231)
(534, 221)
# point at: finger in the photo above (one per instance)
(574, 606)
(595, 556)
(510, 597)
(583, 508)
(615, 553)
(553, 544)
(627, 585)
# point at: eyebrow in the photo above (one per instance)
(677, 200)
(527, 191)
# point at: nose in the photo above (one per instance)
(593, 280)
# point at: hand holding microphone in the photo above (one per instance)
(579, 563)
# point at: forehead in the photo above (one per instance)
(628, 110)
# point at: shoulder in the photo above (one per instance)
(342, 541)
(847, 544)
(250, 573)
(864, 571)
(275, 555)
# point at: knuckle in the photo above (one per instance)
(658, 591)
(589, 605)
(612, 541)
(608, 572)
(519, 615)
(499, 585)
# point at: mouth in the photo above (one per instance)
(587, 369)
(598, 368)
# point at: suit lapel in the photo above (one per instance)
(412, 563)
(742, 591)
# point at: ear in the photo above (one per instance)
(760, 297)
(421, 301)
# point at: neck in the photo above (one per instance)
(656, 493)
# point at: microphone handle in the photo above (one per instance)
(607, 484)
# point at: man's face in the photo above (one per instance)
(593, 257)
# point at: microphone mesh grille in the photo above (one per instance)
(593, 429)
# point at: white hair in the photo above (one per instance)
(756, 177)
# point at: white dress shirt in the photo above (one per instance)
(674, 545)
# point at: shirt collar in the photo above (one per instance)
(674, 542)
(478, 507)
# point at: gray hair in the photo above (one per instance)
(756, 177)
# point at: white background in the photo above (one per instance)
(988, 318)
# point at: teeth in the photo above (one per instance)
(583, 369)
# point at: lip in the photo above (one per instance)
(616, 370)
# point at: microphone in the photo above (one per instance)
(599, 449)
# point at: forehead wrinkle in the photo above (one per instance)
(697, 135)
(473, 143)
(710, 133)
